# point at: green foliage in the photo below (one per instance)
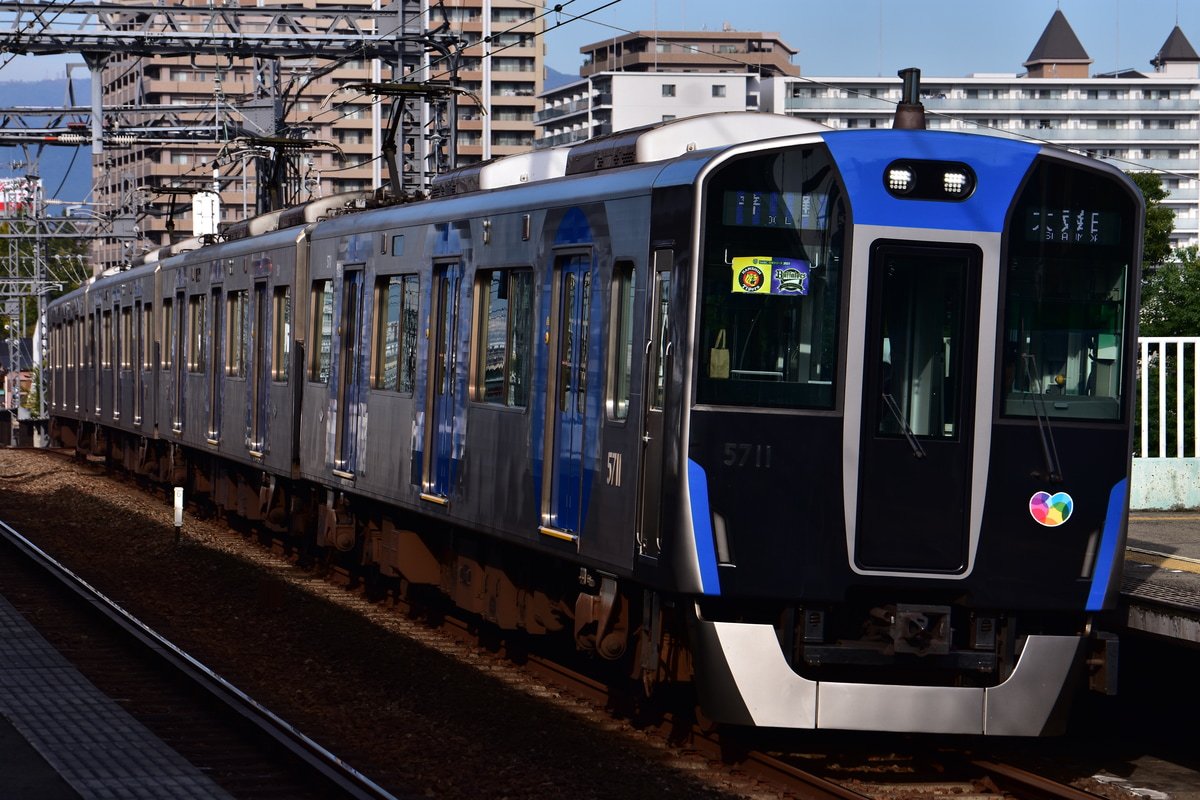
(1160, 220)
(1171, 296)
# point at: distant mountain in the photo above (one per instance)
(66, 172)
(555, 79)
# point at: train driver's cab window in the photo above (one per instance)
(772, 253)
(1066, 311)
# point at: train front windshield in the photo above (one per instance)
(1070, 245)
(772, 274)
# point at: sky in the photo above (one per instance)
(942, 38)
(868, 38)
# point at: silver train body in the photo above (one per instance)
(836, 423)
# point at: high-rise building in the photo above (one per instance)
(237, 125)
(650, 76)
(1137, 120)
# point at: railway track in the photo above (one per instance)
(733, 763)
(250, 752)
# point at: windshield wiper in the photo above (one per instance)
(890, 402)
(1049, 451)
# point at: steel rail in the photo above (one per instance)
(348, 781)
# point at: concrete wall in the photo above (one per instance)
(1165, 483)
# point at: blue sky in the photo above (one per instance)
(943, 38)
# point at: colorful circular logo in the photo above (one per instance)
(751, 279)
(1051, 510)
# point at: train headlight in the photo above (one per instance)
(899, 180)
(948, 181)
(954, 183)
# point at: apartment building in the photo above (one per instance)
(650, 76)
(330, 138)
(1137, 119)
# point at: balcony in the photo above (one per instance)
(1008, 105)
(562, 110)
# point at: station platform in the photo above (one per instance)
(62, 739)
(1160, 591)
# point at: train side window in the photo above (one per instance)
(145, 356)
(139, 338)
(126, 338)
(396, 297)
(504, 299)
(168, 337)
(238, 316)
(197, 316)
(620, 376)
(281, 333)
(106, 337)
(321, 340)
(658, 353)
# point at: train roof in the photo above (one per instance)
(648, 144)
(644, 145)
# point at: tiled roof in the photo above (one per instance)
(1176, 48)
(1058, 44)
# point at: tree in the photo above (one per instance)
(1171, 296)
(1160, 220)
(1170, 307)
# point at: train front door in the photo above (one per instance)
(572, 405)
(440, 402)
(918, 409)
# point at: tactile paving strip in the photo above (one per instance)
(93, 743)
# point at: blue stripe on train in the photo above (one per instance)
(706, 553)
(1107, 559)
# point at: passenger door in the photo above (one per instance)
(440, 402)
(178, 361)
(216, 360)
(572, 410)
(260, 374)
(349, 374)
(919, 409)
(656, 352)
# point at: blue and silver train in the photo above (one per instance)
(834, 423)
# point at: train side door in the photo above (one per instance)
(97, 357)
(178, 361)
(443, 361)
(919, 409)
(216, 359)
(259, 371)
(349, 388)
(571, 408)
(656, 351)
(139, 344)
